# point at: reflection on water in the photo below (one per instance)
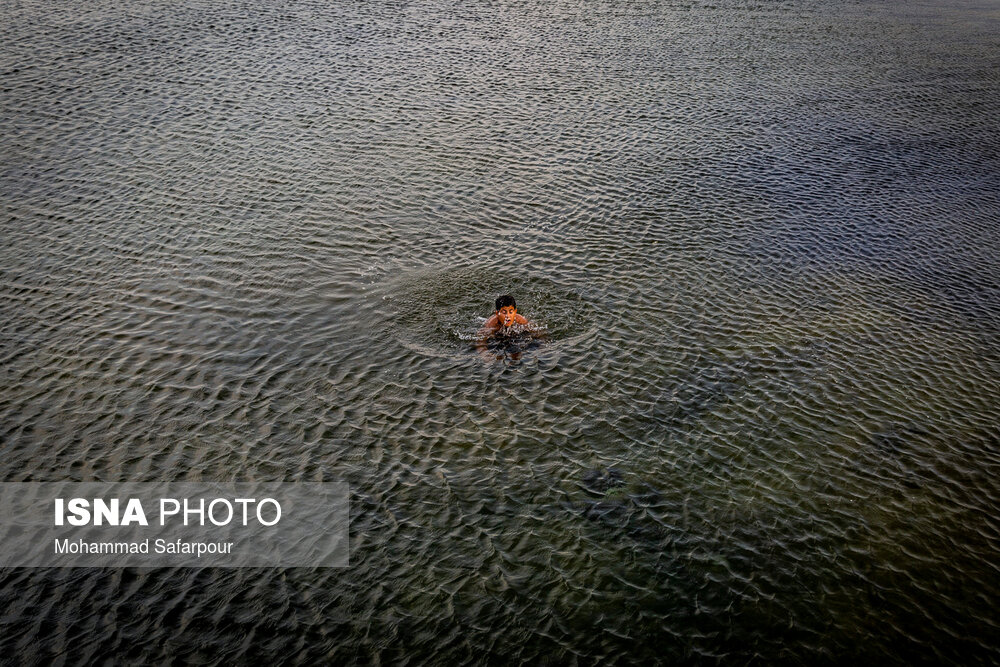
(762, 425)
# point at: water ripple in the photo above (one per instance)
(257, 242)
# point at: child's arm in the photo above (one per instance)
(488, 329)
(532, 328)
(528, 325)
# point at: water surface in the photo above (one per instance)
(253, 241)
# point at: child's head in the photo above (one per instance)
(506, 309)
(504, 301)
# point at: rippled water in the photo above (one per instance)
(253, 242)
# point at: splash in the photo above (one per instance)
(442, 311)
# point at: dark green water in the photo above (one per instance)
(253, 242)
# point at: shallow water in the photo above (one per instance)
(252, 243)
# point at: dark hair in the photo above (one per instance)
(505, 300)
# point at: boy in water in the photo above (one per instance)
(504, 321)
(503, 318)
